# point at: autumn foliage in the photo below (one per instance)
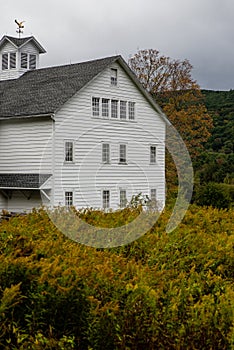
(163, 291)
(170, 82)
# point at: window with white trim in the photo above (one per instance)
(95, 106)
(153, 152)
(105, 153)
(24, 60)
(114, 108)
(122, 198)
(105, 107)
(122, 153)
(32, 61)
(8, 60)
(114, 76)
(69, 150)
(68, 199)
(123, 110)
(131, 110)
(106, 199)
(153, 194)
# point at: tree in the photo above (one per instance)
(170, 82)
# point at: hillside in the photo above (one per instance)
(220, 105)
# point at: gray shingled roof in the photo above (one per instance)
(32, 181)
(44, 91)
(21, 41)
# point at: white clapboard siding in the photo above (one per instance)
(25, 146)
(87, 177)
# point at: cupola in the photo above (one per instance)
(18, 55)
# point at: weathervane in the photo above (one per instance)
(20, 27)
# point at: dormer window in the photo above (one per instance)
(8, 60)
(28, 61)
(114, 77)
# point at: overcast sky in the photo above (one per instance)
(74, 30)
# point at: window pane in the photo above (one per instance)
(122, 198)
(32, 61)
(123, 109)
(152, 154)
(105, 107)
(68, 151)
(122, 153)
(114, 109)
(5, 61)
(131, 110)
(106, 199)
(95, 106)
(105, 153)
(153, 194)
(68, 199)
(12, 60)
(24, 60)
(113, 76)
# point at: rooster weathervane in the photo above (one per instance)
(20, 27)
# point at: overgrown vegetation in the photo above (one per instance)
(163, 291)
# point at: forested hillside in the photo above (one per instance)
(220, 104)
(214, 168)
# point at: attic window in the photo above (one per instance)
(8, 60)
(113, 76)
(24, 60)
(32, 61)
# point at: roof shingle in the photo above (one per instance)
(44, 91)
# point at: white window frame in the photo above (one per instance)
(68, 199)
(105, 107)
(24, 61)
(95, 106)
(106, 195)
(69, 155)
(8, 60)
(153, 156)
(122, 153)
(114, 77)
(32, 61)
(131, 110)
(114, 108)
(105, 153)
(123, 110)
(153, 194)
(122, 201)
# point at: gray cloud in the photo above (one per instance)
(76, 30)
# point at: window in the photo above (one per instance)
(153, 194)
(24, 60)
(69, 151)
(105, 107)
(8, 60)
(122, 198)
(114, 76)
(5, 61)
(106, 199)
(95, 106)
(131, 110)
(152, 154)
(122, 154)
(123, 109)
(68, 199)
(32, 61)
(114, 109)
(105, 153)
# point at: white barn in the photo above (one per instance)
(83, 134)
